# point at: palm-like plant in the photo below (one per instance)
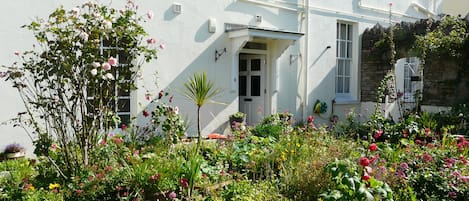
(200, 90)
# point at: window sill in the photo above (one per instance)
(346, 100)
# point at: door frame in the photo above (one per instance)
(267, 110)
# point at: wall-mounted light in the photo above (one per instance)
(212, 25)
(219, 53)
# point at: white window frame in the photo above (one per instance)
(411, 68)
(346, 69)
(128, 97)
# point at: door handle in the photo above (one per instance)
(248, 99)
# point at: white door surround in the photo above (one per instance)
(253, 87)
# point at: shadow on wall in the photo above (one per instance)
(204, 62)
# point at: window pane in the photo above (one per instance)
(125, 119)
(242, 85)
(340, 67)
(255, 85)
(346, 85)
(347, 68)
(340, 85)
(349, 32)
(243, 65)
(123, 105)
(338, 30)
(342, 49)
(349, 49)
(256, 65)
(343, 31)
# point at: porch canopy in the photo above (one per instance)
(241, 34)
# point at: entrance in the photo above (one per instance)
(252, 87)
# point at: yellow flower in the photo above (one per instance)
(54, 186)
(298, 144)
(32, 188)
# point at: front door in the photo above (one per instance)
(252, 68)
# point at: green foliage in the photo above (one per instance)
(200, 90)
(68, 84)
(247, 190)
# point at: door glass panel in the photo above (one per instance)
(243, 65)
(340, 67)
(255, 85)
(256, 65)
(242, 85)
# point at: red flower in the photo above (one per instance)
(145, 113)
(184, 183)
(373, 147)
(419, 142)
(366, 177)
(108, 168)
(118, 140)
(405, 133)
(79, 191)
(427, 157)
(123, 127)
(364, 161)
(310, 119)
(155, 177)
(378, 134)
(160, 95)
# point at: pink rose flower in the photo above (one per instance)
(162, 46)
(112, 61)
(150, 14)
(151, 41)
(3, 74)
(106, 66)
(172, 195)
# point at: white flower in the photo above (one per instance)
(176, 110)
(107, 24)
(94, 72)
(109, 76)
(75, 11)
(84, 36)
(96, 64)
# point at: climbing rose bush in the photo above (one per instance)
(68, 82)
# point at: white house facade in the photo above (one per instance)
(268, 56)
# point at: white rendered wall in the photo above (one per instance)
(190, 48)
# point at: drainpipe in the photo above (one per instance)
(305, 62)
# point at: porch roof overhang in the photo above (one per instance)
(243, 31)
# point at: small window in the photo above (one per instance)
(344, 54)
